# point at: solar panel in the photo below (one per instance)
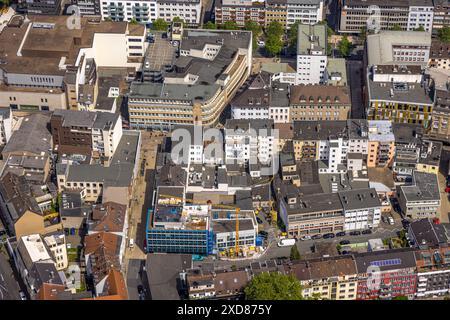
(387, 262)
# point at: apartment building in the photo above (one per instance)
(381, 147)
(362, 209)
(83, 132)
(441, 16)
(276, 10)
(43, 72)
(262, 99)
(308, 12)
(88, 7)
(421, 198)
(39, 7)
(333, 278)
(225, 233)
(250, 141)
(196, 91)
(311, 54)
(240, 12)
(395, 274)
(408, 15)
(56, 244)
(439, 55)
(433, 272)
(408, 139)
(319, 102)
(440, 128)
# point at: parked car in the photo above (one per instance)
(344, 242)
(391, 221)
(259, 220)
(316, 237)
(304, 238)
(22, 296)
(345, 252)
(341, 234)
(328, 236)
(355, 233)
(261, 43)
(368, 231)
(140, 289)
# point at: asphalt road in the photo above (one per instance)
(9, 289)
(135, 278)
(354, 74)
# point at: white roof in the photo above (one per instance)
(36, 248)
(379, 46)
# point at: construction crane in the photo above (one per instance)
(209, 202)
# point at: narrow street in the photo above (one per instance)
(354, 73)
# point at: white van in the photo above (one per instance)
(131, 243)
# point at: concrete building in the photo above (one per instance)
(439, 55)
(49, 67)
(408, 15)
(421, 198)
(88, 7)
(249, 141)
(381, 147)
(56, 243)
(440, 128)
(319, 102)
(5, 125)
(405, 98)
(333, 278)
(276, 10)
(441, 16)
(92, 133)
(39, 7)
(311, 53)
(211, 67)
(433, 272)
(362, 209)
(396, 271)
(225, 233)
(307, 12)
(240, 12)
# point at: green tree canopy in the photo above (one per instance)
(421, 28)
(274, 45)
(159, 24)
(256, 30)
(444, 34)
(230, 25)
(274, 29)
(344, 46)
(133, 21)
(210, 25)
(292, 36)
(363, 34)
(295, 254)
(396, 27)
(178, 19)
(273, 286)
(400, 298)
(4, 3)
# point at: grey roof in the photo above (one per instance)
(163, 272)
(304, 43)
(424, 187)
(343, 182)
(100, 120)
(407, 133)
(315, 203)
(386, 260)
(116, 175)
(72, 205)
(379, 46)
(410, 93)
(32, 137)
(245, 125)
(220, 226)
(359, 199)
(426, 233)
(319, 130)
(44, 272)
(395, 3)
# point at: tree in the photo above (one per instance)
(178, 19)
(400, 298)
(274, 29)
(210, 25)
(133, 21)
(344, 46)
(159, 24)
(256, 30)
(396, 27)
(292, 36)
(444, 34)
(363, 34)
(295, 255)
(230, 25)
(273, 286)
(447, 298)
(420, 28)
(274, 45)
